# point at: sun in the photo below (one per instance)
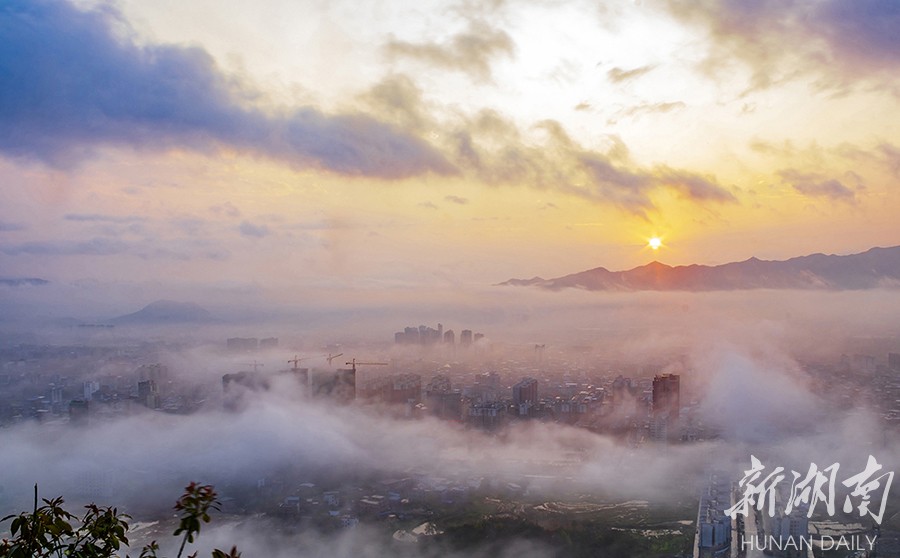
(655, 243)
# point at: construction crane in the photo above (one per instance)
(331, 357)
(354, 363)
(296, 360)
(254, 364)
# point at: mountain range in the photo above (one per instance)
(23, 281)
(165, 312)
(878, 267)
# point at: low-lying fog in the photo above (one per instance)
(740, 352)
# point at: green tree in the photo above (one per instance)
(50, 531)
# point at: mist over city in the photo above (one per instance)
(445, 278)
(133, 408)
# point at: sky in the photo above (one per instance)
(336, 146)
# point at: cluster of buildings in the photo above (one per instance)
(78, 383)
(641, 409)
(714, 526)
(426, 336)
(104, 383)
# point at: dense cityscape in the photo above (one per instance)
(449, 279)
(473, 385)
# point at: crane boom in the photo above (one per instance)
(354, 363)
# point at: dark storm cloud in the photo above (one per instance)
(841, 40)
(75, 80)
(470, 52)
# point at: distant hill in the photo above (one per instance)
(165, 312)
(22, 281)
(878, 267)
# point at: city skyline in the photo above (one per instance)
(335, 151)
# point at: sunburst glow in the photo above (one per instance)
(655, 243)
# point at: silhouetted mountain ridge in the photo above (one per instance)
(166, 311)
(23, 281)
(877, 267)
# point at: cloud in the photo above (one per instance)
(92, 247)
(456, 199)
(227, 209)
(427, 205)
(398, 99)
(891, 157)
(753, 401)
(655, 108)
(147, 249)
(815, 185)
(470, 52)
(98, 218)
(494, 149)
(76, 81)
(190, 225)
(647, 108)
(692, 185)
(6, 226)
(256, 231)
(618, 75)
(841, 41)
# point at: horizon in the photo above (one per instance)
(196, 195)
(437, 151)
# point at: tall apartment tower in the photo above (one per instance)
(667, 395)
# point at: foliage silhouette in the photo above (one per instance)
(50, 531)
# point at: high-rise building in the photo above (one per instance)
(667, 395)
(158, 373)
(89, 389)
(268, 343)
(422, 335)
(465, 338)
(338, 385)
(894, 361)
(148, 394)
(525, 396)
(713, 524)
(442, 400)
(525, 391)
(449, 337)
(79, 411)
(486, 415)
